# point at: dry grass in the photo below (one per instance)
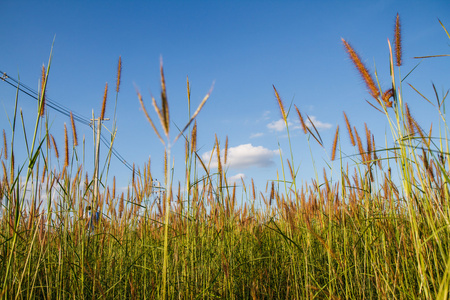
(376, 233)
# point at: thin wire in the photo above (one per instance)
(62, 110)
(49, 102)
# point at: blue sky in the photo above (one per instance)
(244, 47)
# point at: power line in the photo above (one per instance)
(62, 110)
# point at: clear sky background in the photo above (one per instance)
(245, 47)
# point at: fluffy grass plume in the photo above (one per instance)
(119, 74)
(74, 130)
(398, 41)
(302, 121)
(43, 87)
(280, 104)
(333, 149)
(54, 146)
(349, 130)
(363, 71)
(66, 147)
(358, 232)
(105, 94)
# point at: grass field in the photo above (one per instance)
(380, 232)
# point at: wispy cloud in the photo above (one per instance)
(280, 125)
(236, 178)
(317, 123)
(244, 156)
(256, 135)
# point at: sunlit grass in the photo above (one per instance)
(381, 231)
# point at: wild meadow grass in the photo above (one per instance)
(380, 232)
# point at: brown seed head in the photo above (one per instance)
(253, 189)
(5, 173)
(141, 101)
(388, 94)
(66, 147)
(119, 73)
(194, 138)
(410, 119)
(54, 146)
(360, 146)
(333, 150)
(102, 115)
(280, 103)
(43, 87)
(219, 163)
(114, 188)
(226, 151)
(398, 41)
(291, 171)
(349, 129)
(272, 193)
(369, 142)
(363, 71)
(74, 130)
(44, 171)
(165, 104)
(121, 205)
(302, 121)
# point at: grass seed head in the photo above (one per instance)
(349, 129)
(369, 141)
(194, 138)
(165, 104)
(219, 163)
(119, 73)
(102, 115)
(66, 147)
(43, 87)
(291, 171)
(302, 121)
(226, 151)
(54, 146)
(272, 193)
(44, 171)
(333, 150)
(253, 190)
(360, 146)
(410, 119)
(398, 41)
(5, 173)
(363, 71)
(280, 103)
(388, 94)
(74, 130)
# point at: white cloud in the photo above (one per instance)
(317, 123)
(236, 178)
(280, 125)
(266, 115)
(244, 156)
(255, 135)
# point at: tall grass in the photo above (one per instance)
(369, 235)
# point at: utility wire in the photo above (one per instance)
(62, 110)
